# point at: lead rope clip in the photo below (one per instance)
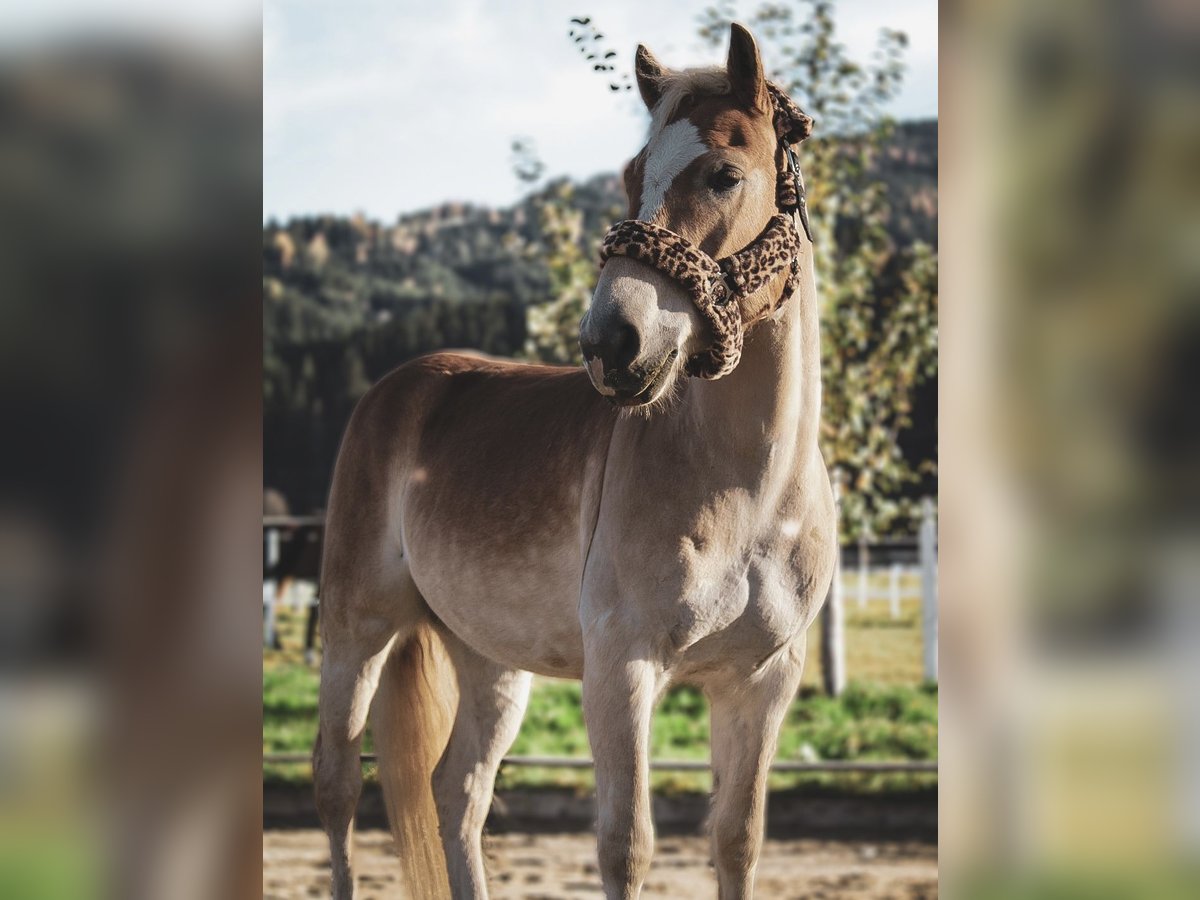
(801, 195)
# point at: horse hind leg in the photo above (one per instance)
(492, 700)
(350, 674)
(357, 640)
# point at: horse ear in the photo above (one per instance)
(649, 72)
(746, 70)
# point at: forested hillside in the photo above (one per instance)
(347, 299)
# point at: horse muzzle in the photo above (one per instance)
(634, 386)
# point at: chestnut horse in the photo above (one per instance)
(488, 520)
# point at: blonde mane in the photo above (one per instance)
(676, 87)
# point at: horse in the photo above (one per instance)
(297, 557)
(660, 515)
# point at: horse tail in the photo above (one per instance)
(411, 718)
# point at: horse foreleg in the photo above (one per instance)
(745, 726)
(491, 705)
(350, 673)
(618, 700)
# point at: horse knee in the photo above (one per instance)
(624, 850)
(736, 845)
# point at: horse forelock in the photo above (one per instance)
(676, 88)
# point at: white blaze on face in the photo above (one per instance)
(670, 152)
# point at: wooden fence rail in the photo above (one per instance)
(670, 765)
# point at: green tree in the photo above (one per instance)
(553, 326)
(354, 376)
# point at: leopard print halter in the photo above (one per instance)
(722, 289)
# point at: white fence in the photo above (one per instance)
(901, 581)
(890, 571)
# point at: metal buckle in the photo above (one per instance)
(722, 289)
(801, 194)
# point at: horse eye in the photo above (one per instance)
(725, 178)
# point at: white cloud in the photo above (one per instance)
(387, 106)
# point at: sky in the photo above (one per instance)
(387, 106)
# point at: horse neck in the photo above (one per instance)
(772, 400)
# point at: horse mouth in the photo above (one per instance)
(652, 386)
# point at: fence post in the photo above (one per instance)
(894, 590)
(864, 572)
(271, 554)
(833, 646)
(929, 596)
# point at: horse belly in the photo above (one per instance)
(518, 606)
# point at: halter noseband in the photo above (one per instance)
(714, 284)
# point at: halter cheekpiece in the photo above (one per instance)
(715, 284)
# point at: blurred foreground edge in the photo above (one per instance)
(130, 321)
(1070, 456)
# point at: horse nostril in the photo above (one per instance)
(617, 345)
(625, 346)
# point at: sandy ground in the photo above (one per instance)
(562, 867)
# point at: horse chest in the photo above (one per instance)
(733, 615)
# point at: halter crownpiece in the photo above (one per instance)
(713, 284)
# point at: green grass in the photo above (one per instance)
(868, 722)
(1169, 881)
(885, 714)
